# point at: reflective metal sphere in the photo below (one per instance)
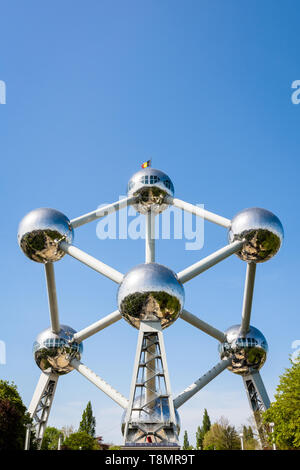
(159, 413)
(151, 187)
(247, 352)
(262, 231)
(40, 233)
(150, 292)
(53, 352)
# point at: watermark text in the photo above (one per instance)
(296, 94)
(2, 353)
(172, 223)
(2, 92)
(296, 354)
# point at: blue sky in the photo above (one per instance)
(94, 89)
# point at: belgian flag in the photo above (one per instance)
(146, 164)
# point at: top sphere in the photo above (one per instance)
(150, 291)
(40, 233)
(262, 231)
(151, 187)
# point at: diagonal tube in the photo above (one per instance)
(100, 383)
(190, 391)
(97, 326)
(248, 297)
(102, 211)
(206, 263)
(92, 262)
(202, 325)
(52, 297)
(150, 237)
(210, 216)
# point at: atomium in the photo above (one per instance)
(247, 352)
(150, 292)
(151, 188)
(262, 232)
(150, 297)
(40, 233)
(54, 352)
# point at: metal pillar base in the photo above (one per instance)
(150, 418)
(40, 406)
(259, 402)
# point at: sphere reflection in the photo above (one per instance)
(53, 352)
(262, 231)
(248, 352)
(150, 187)
(40, 233)
(150, 292)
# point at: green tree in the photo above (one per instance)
(80, 440)
(199, 438)
(202, 430)
(221, 436)
(250, 443)
(206, 424)
(13, 418)
(186, 444)
(284, 412)
(50, 439)
(247, 432)
(88, 422)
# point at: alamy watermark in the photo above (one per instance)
(173, 223)
(296, 94)
(2, 92)
(2, 353)
(296, 354)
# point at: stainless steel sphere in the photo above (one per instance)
(262, 231)
(159, 413)
(40, 233)
(248, 352)
(53, 352)
(151, 187)
(150, 292)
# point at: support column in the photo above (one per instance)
(150, 418)
(151, 347)
(40, 406)
(258, 401)
(150, 370)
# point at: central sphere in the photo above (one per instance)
(247, 352)
(151, 188)
(54, 352)
(150, 292)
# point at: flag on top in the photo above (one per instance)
(146, 164)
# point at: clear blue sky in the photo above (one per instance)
(95, 88)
